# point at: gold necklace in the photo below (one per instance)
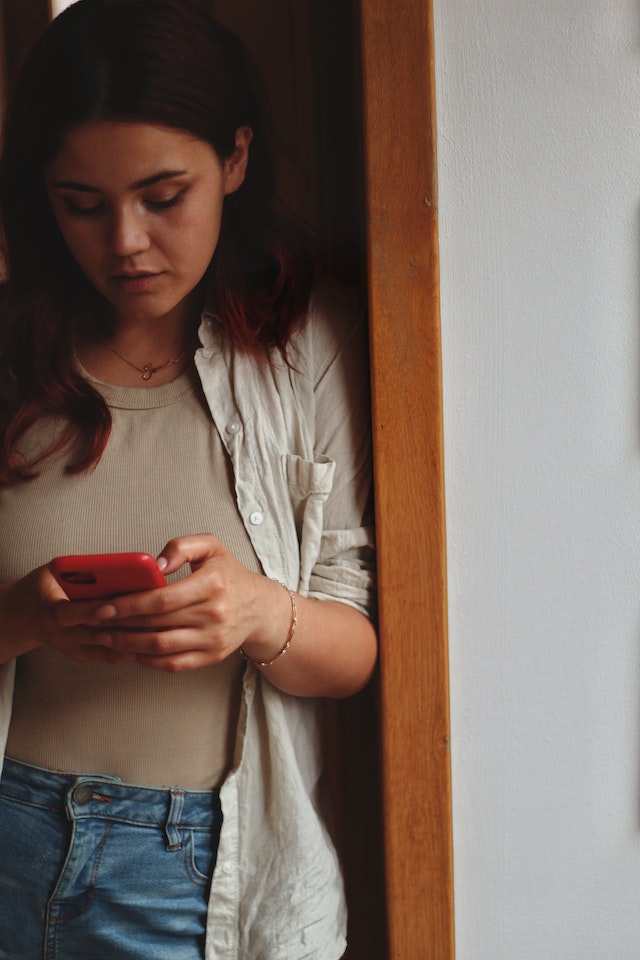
(148, 369)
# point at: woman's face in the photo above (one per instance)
(139, 207)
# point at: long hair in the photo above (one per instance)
(161, 62)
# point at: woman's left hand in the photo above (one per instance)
(199, 620)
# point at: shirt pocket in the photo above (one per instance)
(309, 483)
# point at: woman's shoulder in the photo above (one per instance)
(335, 323)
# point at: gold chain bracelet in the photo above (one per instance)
(292, 630)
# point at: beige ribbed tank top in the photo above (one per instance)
(164, 473)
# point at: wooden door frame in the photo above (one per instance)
(403, 288)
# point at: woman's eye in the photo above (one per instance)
(155, 205)
(77, 211)
(166, 203)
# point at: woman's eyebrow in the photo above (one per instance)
(138, 185)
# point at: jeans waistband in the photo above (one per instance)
(79, 796)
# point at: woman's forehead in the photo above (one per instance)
(127, 154)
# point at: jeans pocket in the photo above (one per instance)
(200, 851)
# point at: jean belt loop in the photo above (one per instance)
(174, 841)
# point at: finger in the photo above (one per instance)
(192, 549)
(151, 622)
(155, 644)
(69, 613)
(157, 603)
(175, 663)
(132, 605)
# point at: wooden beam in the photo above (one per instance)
(402, 246)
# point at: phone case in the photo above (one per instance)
(104, 575)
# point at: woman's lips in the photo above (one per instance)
(135, 282)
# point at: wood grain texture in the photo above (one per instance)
(402, 244)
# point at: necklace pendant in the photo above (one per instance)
(148, 370)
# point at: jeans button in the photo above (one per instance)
(82, 795)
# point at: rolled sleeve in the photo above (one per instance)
(344, 566)
(345, 569)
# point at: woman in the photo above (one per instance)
(167, 369)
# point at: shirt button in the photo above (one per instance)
(233, 426)
(207, 353)
(227, 867)
(256, 518)
(82, 795)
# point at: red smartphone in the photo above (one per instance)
(103, 575)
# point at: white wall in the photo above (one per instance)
(539, 171)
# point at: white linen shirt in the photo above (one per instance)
(299, 441)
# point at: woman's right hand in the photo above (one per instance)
(35, 611)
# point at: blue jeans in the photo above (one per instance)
(92, 868)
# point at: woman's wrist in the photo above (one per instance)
(266, 649)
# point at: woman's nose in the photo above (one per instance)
(127, 233)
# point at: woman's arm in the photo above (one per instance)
(222, 607)
(332, 652)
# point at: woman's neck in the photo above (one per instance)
(138, 354)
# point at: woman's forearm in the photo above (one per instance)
(332, 652)
(222, 608)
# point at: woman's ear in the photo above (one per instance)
(235, 166)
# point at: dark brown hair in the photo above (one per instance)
(163, 62)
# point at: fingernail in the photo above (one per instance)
(162, 563)
(106, 612)
(103, 639)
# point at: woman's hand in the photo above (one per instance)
(199, 620)
(35, 611)
(220, 607)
